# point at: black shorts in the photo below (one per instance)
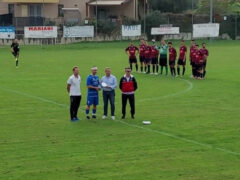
(199, 67)
(132, 60)
(148, 60)
(193, 64)
(181, 62)
(154, 60)
(15, 54)
(171, 63)
(163, 60)
(142, 59)
(205, 63)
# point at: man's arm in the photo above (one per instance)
(69, 82)
(165, 47)
(92, 87)
(120, 84)
(11, 49)
(185, 56)
(135, 84)
(137, 50)
(126, 51)
(114, 83)
(68, 88)
(157, 47)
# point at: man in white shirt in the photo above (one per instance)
(73, 88)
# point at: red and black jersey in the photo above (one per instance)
(192, 49)
(154, 52)
(198, 57)
(142, 50)
(132, 51)
(182, 54)
(128, 86)
(194, 54)
(205, 53)
(148, 52)
(172, 54)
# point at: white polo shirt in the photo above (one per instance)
(75, 83)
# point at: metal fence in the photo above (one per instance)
(6, 20)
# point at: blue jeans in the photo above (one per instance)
(109, 96)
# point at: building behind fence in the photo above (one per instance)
(106, 16)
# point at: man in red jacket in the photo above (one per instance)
(128, 86)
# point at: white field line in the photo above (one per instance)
(170, 95)
(136, 126)
(180, 138)
(33, 97)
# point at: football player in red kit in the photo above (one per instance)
(199, 63)
(142, 54)
(172, 58)
(205, 53)
(192, 50)
(154, 57)
(148, 58)
(182, 58)
(132, 51)
(193, 61)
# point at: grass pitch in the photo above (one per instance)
(194, 132)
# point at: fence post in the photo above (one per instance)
(236, 24)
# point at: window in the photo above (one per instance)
(24, 10)
(60, 10)
(11, 9)
(35, 10)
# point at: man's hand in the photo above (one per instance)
(98, 88)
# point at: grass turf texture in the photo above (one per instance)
(37, 140)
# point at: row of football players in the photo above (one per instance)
(157, 56)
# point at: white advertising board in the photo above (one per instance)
(7, 32)
(40, 32)
(78, 31)
(206, 30)
(165, 30)
(133, 30)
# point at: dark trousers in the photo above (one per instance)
(109, 96)
(131, 99)
(74, 105)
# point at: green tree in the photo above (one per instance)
(219, 6)
(235, 6)
(174, 6)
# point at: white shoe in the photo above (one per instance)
(151, 73)
(104, 117)
(156, 73)
(113, 118)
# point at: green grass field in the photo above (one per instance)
(195, 127)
